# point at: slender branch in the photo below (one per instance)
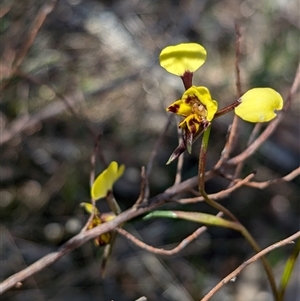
(154, 153)
(289, 177)
(5, 8)
(238, 38)
(233, 274)
(227, 109)
(144, 185)
(84, 237)
(241, 229)
(219, 195)
(92, 179)
(36, 25)
(21, 124)
(183, 244)
(233, 134)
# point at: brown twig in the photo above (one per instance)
(184, 243)
(141, 198)
(271, 127)
(36, 25)
(233, 134)
(242, 182)
(262, 185)
(21, 124)
(240, 166)
(84, 237)
(233, 129)
(233, 274)
(92, 179)
(219, 195)
(4, 9)
(154, 153)
(157, 146)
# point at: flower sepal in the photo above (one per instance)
(259, 105)
(188, 139)
(105, 181)
(181, 58)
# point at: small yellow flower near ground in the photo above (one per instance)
(185, 57)
(105, 181)
(259, 104)
(98, 219)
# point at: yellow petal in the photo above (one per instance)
(183, 57)
(111, 174)
(181, 108)
(204, 96)
(104, 182)
(100, 186)
(120, 172)
(192, 122)
(259, 104)
(89, 208)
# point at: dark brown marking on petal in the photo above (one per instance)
(192, 127)
(189, 99)
(173, 108)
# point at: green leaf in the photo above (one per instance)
(198, 217)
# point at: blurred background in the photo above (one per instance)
(101, 59)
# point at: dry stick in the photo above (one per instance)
(35, 27)
(239, 167)
(242, 182)
(144, 184)
(252, 137)
(153, 155)
(248, 237)
(22, 123)
(233, 134)
(5, 233)
(60, 96)
(241, 229)
(201, 177)
(184, 243)
(271, 127)
(92, 179)
(262, 185)
(4, 9)
(233, 274)
(84, 237)
(219, 195)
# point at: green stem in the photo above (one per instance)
(242, 229)
(202, 159)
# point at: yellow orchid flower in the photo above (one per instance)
(105, 181)
(259, 104)
(196, 105)
(185, 57)
(98, 219)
